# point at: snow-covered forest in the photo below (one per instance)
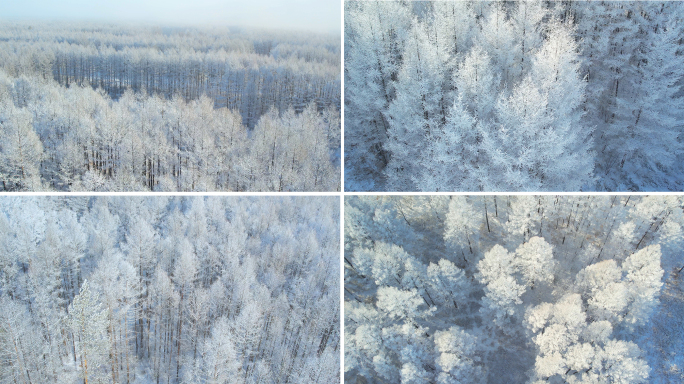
(169, 290)
(514, 289)
(99, 107)
(512, 96)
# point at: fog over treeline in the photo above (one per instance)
(305, 15)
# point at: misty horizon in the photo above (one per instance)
(302, 15)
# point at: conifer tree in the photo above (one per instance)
(88, 322)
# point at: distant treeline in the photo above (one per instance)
(250, 71)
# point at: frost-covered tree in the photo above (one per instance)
(88, 322)
(167, 112)
(441, 159)
(512, 288)
(220, 354)
(21, 347)
(448, 281)
(503, 292)
(529, 95)
(172, 290)
(21, 150)
(416, 112)
(535, 261)
(375, 36)
(456, 359)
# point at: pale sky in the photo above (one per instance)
(311, 15)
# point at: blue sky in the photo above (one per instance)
(312, 15)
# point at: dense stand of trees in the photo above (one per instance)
(87, 107)
(245, 70)
(514, 95)
(515, 289)
(169, 290)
